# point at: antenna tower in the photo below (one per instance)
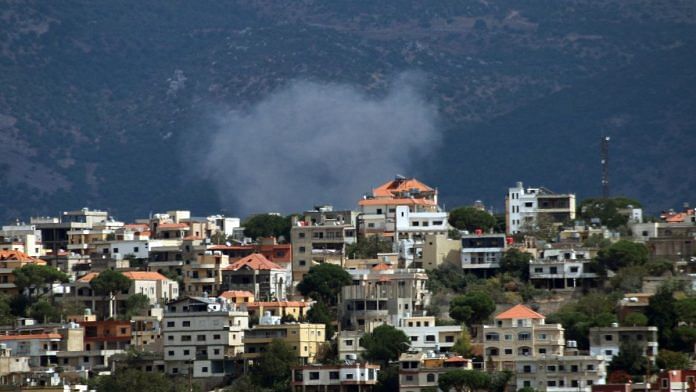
(605, 166)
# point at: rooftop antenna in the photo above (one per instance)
(605, 166)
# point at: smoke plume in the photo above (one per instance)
(315, 143)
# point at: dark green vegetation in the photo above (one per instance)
(470, 218)
(267, 225)
(368, 248)
(102, 103)
(384, 344)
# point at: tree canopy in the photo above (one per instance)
(595, 309)
(368, 248)
(516, 263)
(324, 282)
(136, 304)
(131, 379)
(621, 254)
(672, 360)
(472, 308)
(471, 218)
(266, 225)
(384, 344)
(32, 277)
(110, 282)
(463, 380)
(273, 368)
(606, 210)
(630, 359)
(319, 313)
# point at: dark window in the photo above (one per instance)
(313, 375)
(333, 375)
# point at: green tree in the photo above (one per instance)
(606, 210)
(464, 380)
(595, 309)
(472, 308)
(384, 344)
(266, 225)
(136, 304)
(368, 248)
(273, 368)
(463, 345)
(324, 282)
(319, 313)
(108, 283)
(500, 381)
(44, 312)
(388, 379)
(131, 379)
(623, 253)
(662, 314)
(6, 316)
(685, 310)
(672, 360)
(516, 263)
(34, 279)
(470, 219)
(635, 320)
(629, 359)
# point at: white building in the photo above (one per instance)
(425, 335)
(607, 341)
(338, 378)
(411, 229)
(562, 269)
(482, 253)
(200, 335)
(524, 205)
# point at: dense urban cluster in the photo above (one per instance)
(396, 294)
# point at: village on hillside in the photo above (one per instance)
(555, 294)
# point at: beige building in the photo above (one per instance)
(519, 333)
(555, 373)
(304, 338)
(420, 371)
(438, 249)
(12, 367)
(204, 276)
(320, 236)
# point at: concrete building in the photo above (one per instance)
(523, 206)
(23, 238)
(420, 371)
(12, 368)
(304, 338)
(202, 336)
(348, 377)
(348, 342)
(297, 309)
(425, 335)
(560, 373)
(255, 273)
(204, 276)
(519, 333)
(320, 236)
(438, 249)
(675, 381)
(9, 261)
(607, 341)
(481, 253)
(562, 269)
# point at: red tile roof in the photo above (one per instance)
(519, 312)
(17, 255)
(132, 275)
(278, 304)
(236, 294)
(172, 226)
(381, 267)
(456, 359)
(396, 186)
(255, 261)
(399, 202)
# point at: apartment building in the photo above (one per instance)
(347, 377)
(204, 276)
(420, 371)
(21, 237)
(675, 381)
(348, 342)
(562, 269)
(523, 206)
(269, 247)
(481, 253)
(519, 333)
(382, 296)
(255, 273)
(320, 236)
(437, 249)
(12, 368)
(560, 373)
(202, 336)
(425, 335)
(607, 341)
(297, 309)
(304, 338)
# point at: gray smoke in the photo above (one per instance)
(315, 143)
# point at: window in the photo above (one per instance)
(551, 383)
(573, 269)
(414, 338)
(551, 368)
(170, 338)
(574, 383)
(136, 249)
(508, 351)
(334, 375)
(379, 211)
(430, 377)
(349, 342)
(449, 339)
(542, 336)
(301, 235)
(186, 338)
(508, 337)
(665, 383)
(430, 338)
(416, 223)
(590, 367)
(170, 324)
(200, 338)
(187, 352)
(216, 351)
(115, 250)
(303, 263)
(170, 353)
(608, 338)
(608, 352)
(527, 369)
(302, 249)
(313, 375)
(409, 378)
(186, 324)
(527, 383)
(542, 351)
(216, 337)
(175, 370)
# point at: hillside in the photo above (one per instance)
(100, 103)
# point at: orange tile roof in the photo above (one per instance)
(676, 218)
(391, 202)
(396, 186)
(278, 304)
(17, 255)
(519, 312)
(236, 294)
(172, 226)
(456, 359)
(381, 267)
(255, 261)
(30, 336)
(132, 275)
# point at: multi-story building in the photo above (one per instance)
(420, 371)
(320, 236)
(55, 232)
(481, 253)
(347, 377)
(675, 381)
(204, 276)
(437, 249)
(348, 342)
(382, 296)
(425, 335)
(607, 341)
(269, 247)
(40, 348)
(560, 373)
(304, 338)
(562, 269)
(523, 206)
(202, 336)
(519, 333)
(411, 230)
(255, 273)
(23, 238)
(12, 368)
(297, 309)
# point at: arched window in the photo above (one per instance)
(431, 377)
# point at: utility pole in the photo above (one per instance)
(604, 151)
